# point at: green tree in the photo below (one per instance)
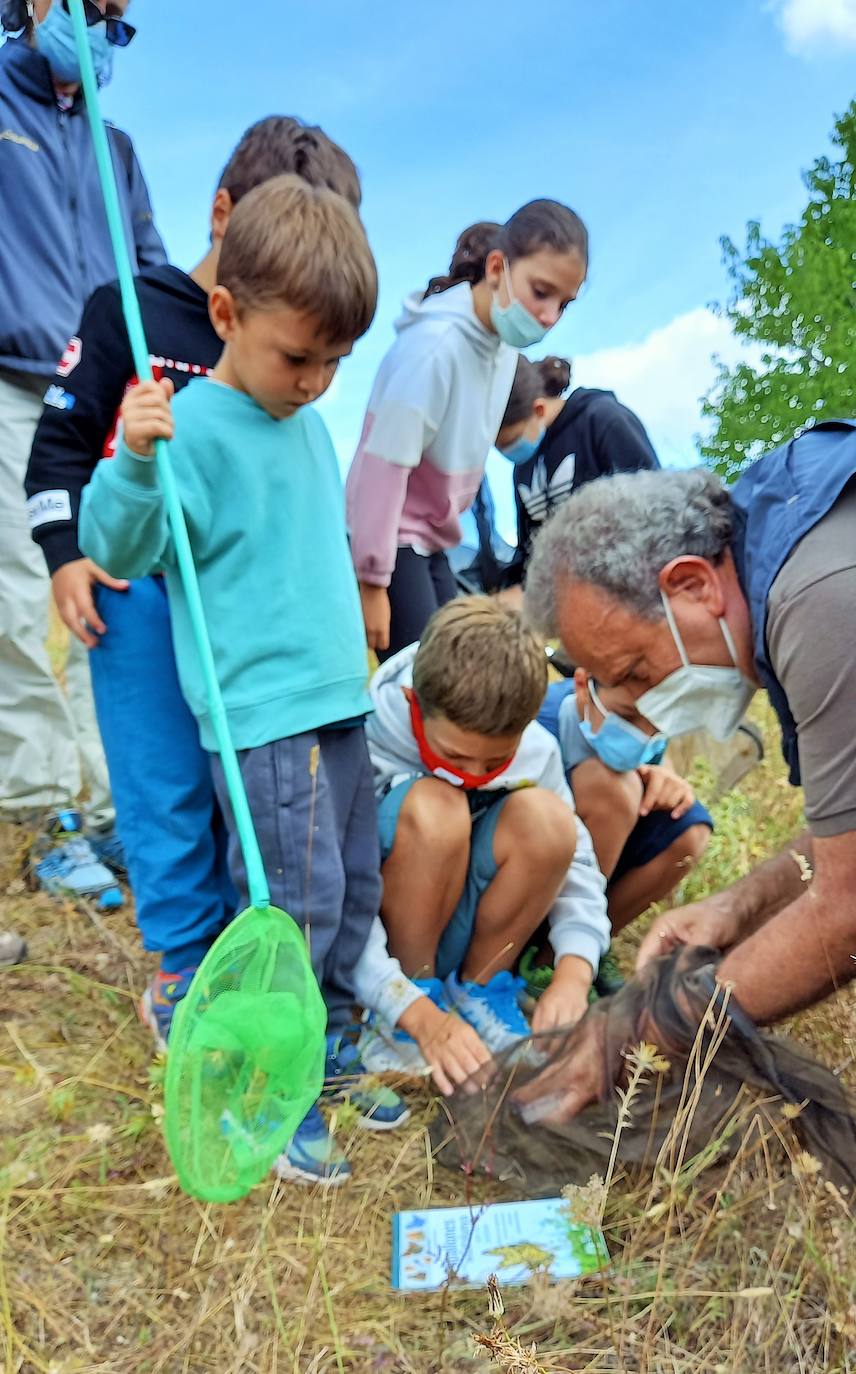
(796, 300)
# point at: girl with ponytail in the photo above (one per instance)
(436, 405)
(557, 442)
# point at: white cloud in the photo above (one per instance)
(664, 377)
(812, 25)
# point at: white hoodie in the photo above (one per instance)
(578, 920)
(433, 414)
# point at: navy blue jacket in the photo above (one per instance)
(776, 502)
(54, 243)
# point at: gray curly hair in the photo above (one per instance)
(617, 533)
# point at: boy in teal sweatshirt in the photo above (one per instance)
(261, 490)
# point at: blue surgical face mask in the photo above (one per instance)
(513, 322)
(621, 746)
(523, 449)
(55, 41)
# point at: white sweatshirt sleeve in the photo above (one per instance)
(579, 923)
(379, 984)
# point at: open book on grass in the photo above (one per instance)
(513, 1240)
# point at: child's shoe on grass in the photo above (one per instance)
(493, 1010)
(384, 1049)
(313, 1156)
(160, 999)
(609, 977)
(73, 870)
(346, 1077)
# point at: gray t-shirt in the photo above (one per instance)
(811, 634)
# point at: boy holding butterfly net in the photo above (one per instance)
(262, 495)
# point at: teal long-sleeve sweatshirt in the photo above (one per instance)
(265, 513)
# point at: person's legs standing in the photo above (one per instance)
(39, 764)
(418, 588)
(167, 812)
(99, 809)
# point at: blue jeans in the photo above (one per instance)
(167, 813)
(333, 887)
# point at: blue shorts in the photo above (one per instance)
(652, 835)
(485, 807)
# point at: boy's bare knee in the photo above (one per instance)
(435, 816)
(541, 828)
(692, 844)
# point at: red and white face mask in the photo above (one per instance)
(439, 767)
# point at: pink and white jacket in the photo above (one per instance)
(434, 411)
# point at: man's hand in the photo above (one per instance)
(376, 614)
(664, 790)
(451, 1049)
(72, 589)
(147, 415)
(574, 1080)
(565, 1001)
(714, 922)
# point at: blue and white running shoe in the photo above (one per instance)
(493, 1010)
(313, 1156)
(72, 870)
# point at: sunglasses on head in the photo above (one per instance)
(119, 32)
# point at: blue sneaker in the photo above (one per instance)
(313, 1155)
(346, 1076)
(160, 999)
(72, 870)
(110, 850)
(383, 1049)
(492, 1010)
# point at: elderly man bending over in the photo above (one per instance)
(693, 596)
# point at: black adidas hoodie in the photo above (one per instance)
(593, 435)
(78, 424)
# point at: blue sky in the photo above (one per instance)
(664, 124)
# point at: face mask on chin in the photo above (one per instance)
(513, 322)
(698, 696)
(54, 39)
(440, 767)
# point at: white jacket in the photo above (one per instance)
(578, 921)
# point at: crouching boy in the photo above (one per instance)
(479, 844)
(647, 828)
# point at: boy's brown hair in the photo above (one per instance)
(282, 144)
(481, 667)
(291, 244)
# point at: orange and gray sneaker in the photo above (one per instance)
(160, 999)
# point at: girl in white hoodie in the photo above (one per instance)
(437, 403)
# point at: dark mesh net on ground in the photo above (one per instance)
(516, 1121)
(246, 1056)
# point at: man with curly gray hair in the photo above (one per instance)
(693, 596)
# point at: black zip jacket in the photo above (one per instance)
(593, 435)
(79, 418)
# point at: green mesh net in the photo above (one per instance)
(246, 1056)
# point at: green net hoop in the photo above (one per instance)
(246, 1056)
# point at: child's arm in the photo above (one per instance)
(404, 415)
(123, 523)
(579, 934)
(664, 790)
(448, 1045)
(579, 923)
